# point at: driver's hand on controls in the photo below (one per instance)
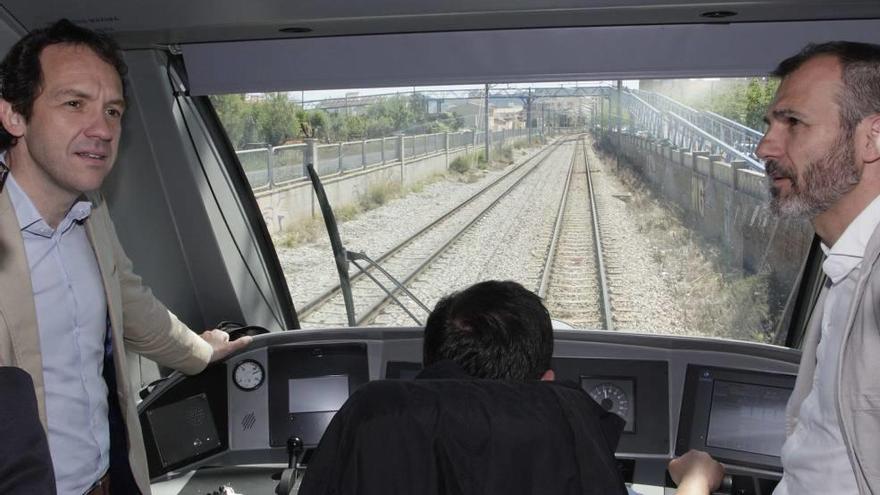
(696, 473)
(221, 345)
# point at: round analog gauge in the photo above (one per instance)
(248, 375)
(612, 398)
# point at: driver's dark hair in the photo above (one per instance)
(860, 65)
(21, 75)
(495, 330)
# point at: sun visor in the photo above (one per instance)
(523, 55)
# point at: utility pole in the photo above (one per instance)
(542, 120)
(529, 115)
(486, 105)
(619, 123)
(580, 117)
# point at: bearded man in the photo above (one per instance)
(823, 164)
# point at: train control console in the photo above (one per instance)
(232, 425)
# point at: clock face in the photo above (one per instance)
(248, 375)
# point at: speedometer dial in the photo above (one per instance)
(612, 398)
(248, 374)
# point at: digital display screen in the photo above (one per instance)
(184, 429)
(317, 394)
(747, 417)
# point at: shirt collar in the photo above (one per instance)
(29, 218)
(846, 254)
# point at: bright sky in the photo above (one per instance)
(340, 93)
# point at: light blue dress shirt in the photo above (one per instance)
(72, 318)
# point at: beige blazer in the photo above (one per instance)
(858, 383)
(140, 323)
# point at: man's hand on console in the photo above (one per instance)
(219, 341)
(696, 473)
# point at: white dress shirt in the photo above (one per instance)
(814, 457)
(71, 311)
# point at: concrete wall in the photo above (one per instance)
(284, 205)
(724, 203)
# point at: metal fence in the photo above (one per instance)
(274, 166)
(287, 162)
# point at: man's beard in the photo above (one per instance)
(821, 185)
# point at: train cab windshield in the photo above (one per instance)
(568, 193)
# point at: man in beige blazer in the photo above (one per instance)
(61, 114)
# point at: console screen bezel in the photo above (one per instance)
(696, 411)
(172, 423)
(304, 362)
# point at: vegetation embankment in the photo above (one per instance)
(714, 297)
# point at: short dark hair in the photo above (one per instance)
(860, 66)
(21, 75)
(494, 330)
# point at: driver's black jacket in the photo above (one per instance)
(446, 433)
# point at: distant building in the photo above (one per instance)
(511, 116)
(506, 118)
(469, 112)
(255, 97)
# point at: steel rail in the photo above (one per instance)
(597, 238)
(557, 231)
(315, 303)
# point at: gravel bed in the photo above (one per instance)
(417, 251)
(572, 294)
(508, 243)
(639, 293)
(310, 269)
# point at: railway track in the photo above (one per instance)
(627, 291)
(412, 256)
(501, 245)
(574, 280)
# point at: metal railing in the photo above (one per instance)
(665, 119)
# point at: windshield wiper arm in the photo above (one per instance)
(343, 256)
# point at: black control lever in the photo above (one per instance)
(726, 486)
(295, 451)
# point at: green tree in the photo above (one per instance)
(276, 119)
(237, 118)
(743, 100)
(357, 127)
(394, 113)
(313, 124)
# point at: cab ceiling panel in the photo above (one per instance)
(499, 56)
(138, 23)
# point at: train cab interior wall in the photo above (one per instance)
(209, 230)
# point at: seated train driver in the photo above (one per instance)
(484, 416)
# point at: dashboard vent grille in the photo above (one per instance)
(248, 421)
